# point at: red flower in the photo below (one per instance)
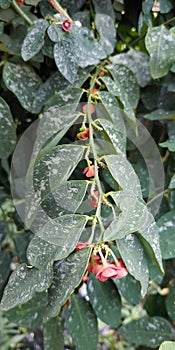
(93, 202)
(110, 270)
(89, 171)
(81, 245)
(83, 135)
(20, 2)
(94, 260)
(92, 109)
(66, 25)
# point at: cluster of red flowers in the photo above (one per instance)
(103, 269)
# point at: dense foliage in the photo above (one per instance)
(87, 174)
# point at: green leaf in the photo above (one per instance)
(126, 87)
(134, 216)
(67, 276)
(48, 175)
(148, 331)
(115, 89)
(66, 99)
(54, 85)
(117, 138)
(160, 114)
(115, 113)
(134, 257)
(165, 7)
(7, 130)
(81, 323)
(54, 334)
(105, 301)
(34, 40)
(65, 199)
(167, 345)
(30, 314)
(160, 43)
(123, 173)
(141, 170)
(5, 261)
(55, 166)
(170, 302)
(4, 4)
(55, 32)
(23, 82)
(40, 251)
(23, 283)
(137, 62)
(170, 143)
(129, 288)
(166, 226)
(150, 239)
(65, 59)
(86, 49)
(64, 232)
(105, 26)
(104, 7)
(172, 182)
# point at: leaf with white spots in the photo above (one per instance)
(149, 237)
(5, 4)
(160, 114)
(54, 85)
(117, 138)
(30, 314)
(63, 232)
(7, 130)
(170, 143)
(64, 199)
(115, 89)
(134, 216)
(105, 301)
(126, 86)
(55, 166)
(34, 40)
(23, 82)
(123, 172)
(23, 283)
(116, 114)
(160, 43)
(65, 59)
(53, 332)
(105, 26)
(134, 257)
(147, 331)
(67, 276)
(81, 323)
(129, 288)
(165, 7)
(137, 62)
(166, 227)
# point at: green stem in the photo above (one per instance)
(20, 12)
(59, 8)
(168, 21)
(92, 144)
